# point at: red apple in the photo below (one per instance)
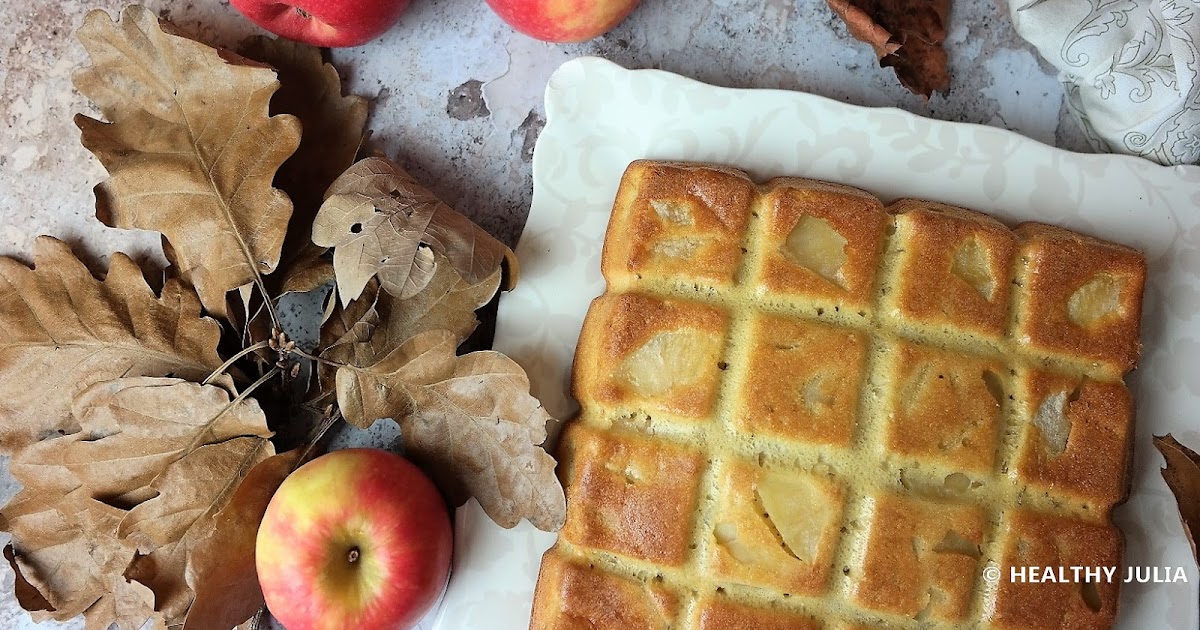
(358, 538)
(332, 23)
(563, 20)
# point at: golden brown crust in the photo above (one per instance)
(850, 417)
(856, 216)
(632, 496)
(1058, 266)
(944, 406)
(953, 269)
(747, 544)
(720, 614)
(677, 221)
(623, 337)
(1030, 539)
(1087, 457)
(922, 558)
(576, 594)
(787, 394)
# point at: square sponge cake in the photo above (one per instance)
(802, 408)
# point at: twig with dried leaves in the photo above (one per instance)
(142, 425)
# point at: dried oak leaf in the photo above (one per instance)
(1182, 475)
(469, 419)
(69, 554)
(334, 131)
(189, 147)
(27, 594)
(222, 573)
(169, 528)
(131, 431)
(174, 451)
(907, 36)
(65, 330)
(447, 303)
(382, 223)
(306, 270)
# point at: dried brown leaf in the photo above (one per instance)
(128, 604)
(28, 596)
(334, 130)
(173, 451)
(132, 430)
(190, 149)
(306, 271)
(352, 324)
(221, 563)
(222, 572)
(69, 552)
(448, 302)
(373, 326)
(382, 223)
(64, 330)
(469, 419)
(169, 527)
(345, 332)
(907, 36)
(1182, 475)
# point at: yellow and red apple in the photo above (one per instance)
(563, 20)
(357, 538)
(332, 23)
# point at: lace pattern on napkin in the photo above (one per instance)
(1131, 69)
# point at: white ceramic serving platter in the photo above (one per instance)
(600, 117)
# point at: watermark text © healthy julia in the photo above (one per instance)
(1080, 574)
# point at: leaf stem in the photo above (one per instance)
(225, 366)
(312, 357)
(272, 373)
(268, 301)
(203, 434)
(319, 432)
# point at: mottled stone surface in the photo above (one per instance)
(457, 98)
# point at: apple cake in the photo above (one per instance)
(802, 408)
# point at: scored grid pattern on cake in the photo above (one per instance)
(864, 484)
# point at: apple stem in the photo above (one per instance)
(304, 14)
(352, 557)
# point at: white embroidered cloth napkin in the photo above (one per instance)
(1131, 70)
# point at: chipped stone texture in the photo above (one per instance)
(466, 102)
(478, 158)
(46, 177)
(459, 94)
(527, 133)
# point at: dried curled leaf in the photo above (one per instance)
(469, 419)
(306, 270)
(382, 223)
(65, 330)
(172, 452)
(117, 454)
(379, 322)
(28, 596)
(222, 572)
(169, 527)
(190, 149)
(907, 36)
(1182, 475)
(334, 130)
(69, 554)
